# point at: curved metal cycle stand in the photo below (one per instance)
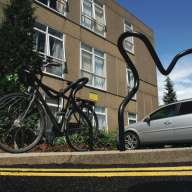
(136, 76)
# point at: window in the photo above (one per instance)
(93, 16)
(132, 118)
(128, 40)
(102, 117)
(56, 5)
(185, 108)
(163, 113)
(50, 43)
(130, 80)
(93, 66)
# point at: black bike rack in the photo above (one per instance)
(136, 76)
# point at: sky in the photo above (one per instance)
(171, 22)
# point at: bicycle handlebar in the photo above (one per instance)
(48, 90)
(136, 76)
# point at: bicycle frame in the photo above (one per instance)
(74, 87)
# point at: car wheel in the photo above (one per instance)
(131, 141)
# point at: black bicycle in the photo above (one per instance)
(23, 122)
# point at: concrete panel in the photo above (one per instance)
(121, 78)
(73, 13)
(111, 74)
(112, 117)
(148, 104)
(72, 51)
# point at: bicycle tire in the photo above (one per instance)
(16, 136)
(79, 139)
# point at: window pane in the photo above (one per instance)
(61, 6)
(130, 79)
(40, 26)
(55, 70)
(101, 121)
(86, 22)
(99, 82)
(86, 47)
(99, 15)
(55, 33)
(128, 24)
(99, 66)
(99, 53)
(87, 7)
(40, 42)
(56, 48)
(128, 46)
(86, 61)
(89, 76)
(43, 1)
(98, 3)
(99, 109)
(53, 4)
(186, 108)
(132, 115)
(99, 29)
(164, 113)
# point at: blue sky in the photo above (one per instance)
(171, 22)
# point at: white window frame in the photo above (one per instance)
(48, 6)
(102, 114)
(47, 55)
(132, 118)
(130, 26)
(93, 65)
(128, 83)
(93, 19)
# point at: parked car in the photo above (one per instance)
(168, 125)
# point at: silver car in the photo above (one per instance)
(171, 124)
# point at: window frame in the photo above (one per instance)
(132, 118)
(102, 114)
(127, 81)
(47, 55)
(131, 29)
(93, 55)
(92, 18)
(48, 6)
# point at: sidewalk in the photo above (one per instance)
(100, 157)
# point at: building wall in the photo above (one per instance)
(146, 97)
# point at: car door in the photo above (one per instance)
(183, 122)
(160, 126)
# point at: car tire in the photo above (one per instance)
(131, 141)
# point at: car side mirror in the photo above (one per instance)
(147, 119)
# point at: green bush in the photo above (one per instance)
(105, 139)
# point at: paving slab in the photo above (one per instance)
(100, 157)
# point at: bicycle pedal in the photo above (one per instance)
(60, 114)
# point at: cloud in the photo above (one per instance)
(181, 76)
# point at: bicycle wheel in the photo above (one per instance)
(77, 129)
(17, 136)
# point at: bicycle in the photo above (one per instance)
(22, 116)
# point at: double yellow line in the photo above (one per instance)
(102, 172)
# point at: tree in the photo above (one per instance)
(16, 43)
(170, 96)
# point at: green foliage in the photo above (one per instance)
(16, 43)
(105, 139)
(170, 96)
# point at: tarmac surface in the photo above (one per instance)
(141, 156)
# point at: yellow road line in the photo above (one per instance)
(99, 170)
(103, 174)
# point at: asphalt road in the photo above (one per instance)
(176, 183)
